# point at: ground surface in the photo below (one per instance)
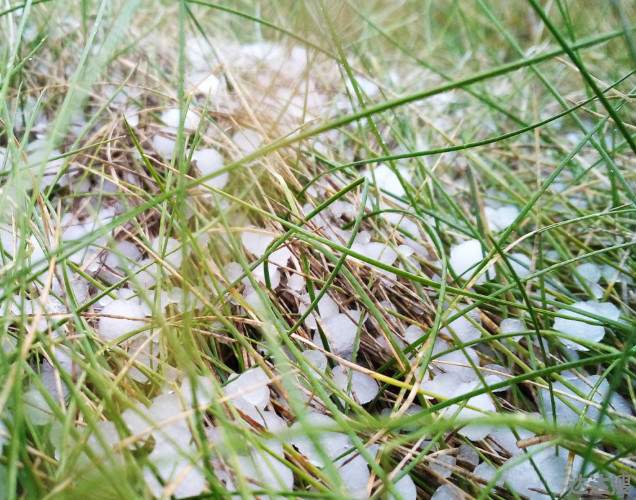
(317, 249)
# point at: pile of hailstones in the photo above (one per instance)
(450, 376)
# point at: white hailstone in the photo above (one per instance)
(233, 271)
(500, 218)
(340, 332)
(493, 374)
(128, 316)
(280, 257)
(259, 274)
(332, 444)
(164, 146)
(611, 275)
(363, 387)
(296, 282)
(36, 409)
(77, 284)
(204, 83)
(580, 329)
(250, 388)
(447, 492)
(169, 250)
(131, 114)
(520, 264)
(376, 251)
(606, 310)
(256, 241)
(207, 162)
(355, 475)
(487, 472)
(569, 406)
(386, 179)
(203, 390)
(505, 439)
(443, 385)
(170, 118)
(265, 471)
(479, 406)
(413, 333)
(316, 359)
(524, 479)
(247, 141)
(254, 301)
(464, 258)
(189, 479)
(512, 325)
(170, 429)
(589, 272)
(463, 328)
(405, 488)
(9, 240)
(456, 361)
(366, 86)
(123, 255)
(467, 454)
(326, 308)
(144, 354)
(442, 465)
(36, 155)
(50, 379)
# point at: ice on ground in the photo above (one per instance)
(447, 492)
(464, 327)
(200, 387)
(355, 476)
(209, 161)
(169, 250)
(127, 316)
(524, 479)
(249, 390)
(363, 387)
(331, 443)
(36, 408)
(569, 406)
(581, 329)
(340, 331)
(326, 308)
(520, 264)
(464, 258)
(475, 407)
(164, 146)
(247, 141)
(316, 358)
(487, 472)
(500, 218)
(405, 488)
(442, 465)
(187, 479)
(590, 272)
(413, 333)
(513, 325)
(387, 180)
(170, 118)
(256, 241)
(457, 361)
(505, 438)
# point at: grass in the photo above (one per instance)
(466, 105)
